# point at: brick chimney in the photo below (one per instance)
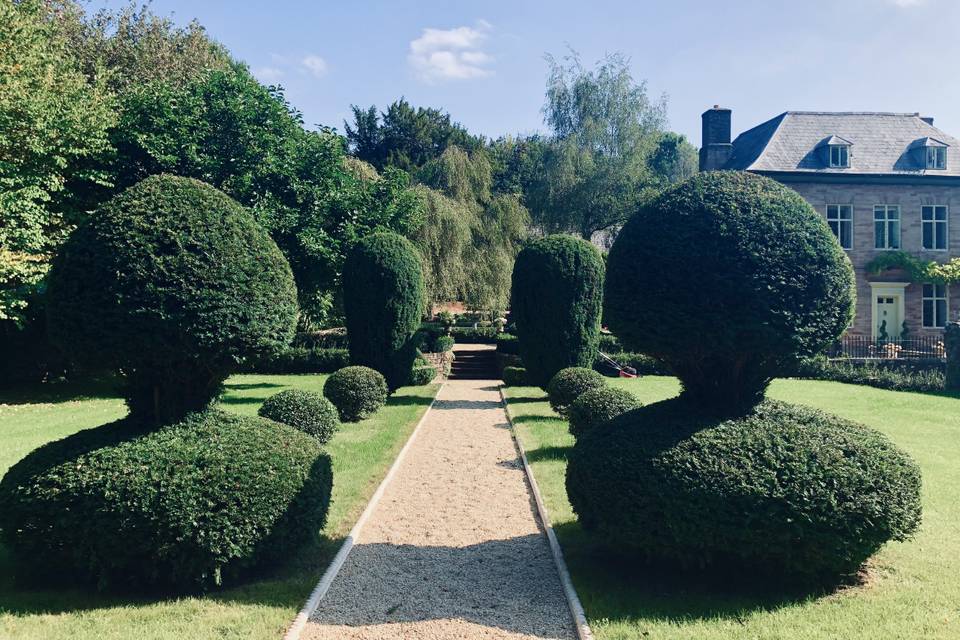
(715, 147)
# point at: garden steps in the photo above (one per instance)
(474, 362)
(453, 549)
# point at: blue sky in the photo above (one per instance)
(483, 61)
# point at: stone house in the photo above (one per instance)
(884, 182)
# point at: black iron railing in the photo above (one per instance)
(919, 348)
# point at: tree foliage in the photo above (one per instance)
(403, 136)
(604, 127)
(51, 119)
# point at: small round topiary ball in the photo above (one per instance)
(174, 283)
(306, 411)
(728, 278)
(598, 406)
(356, 392)
(782, 489)
(571, 383)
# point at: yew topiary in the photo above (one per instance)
(556, 298)
(728, 278)
(383, 298)
(173, 284)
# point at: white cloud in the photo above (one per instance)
(451, 54)
(268, 75)
(316, 65)
(908, 3)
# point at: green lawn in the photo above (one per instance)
(361, 454)
(914, 591)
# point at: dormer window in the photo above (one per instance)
(936, 157)
(837, 152)
(839, 156)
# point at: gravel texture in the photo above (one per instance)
(453, 550)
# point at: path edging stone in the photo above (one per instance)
(573, 600)
(313, 601)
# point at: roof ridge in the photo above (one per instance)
(915, 114)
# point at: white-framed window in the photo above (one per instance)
(936, 157)
(933, 220)
(840, 219)
(886, 226)
(935, 306)
(839, 155)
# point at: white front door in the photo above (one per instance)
(888, 311)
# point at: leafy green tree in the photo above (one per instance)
(227, 129)
(604, 126)
(51, 118)
(405, 137)
(471, 236)
(132, 46)
(674, 159)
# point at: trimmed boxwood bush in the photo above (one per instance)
(478, 335)
(571, 383)
(727, 278)
(598, 406)
(173, 283)
(423, 372)
(556, 296)
(301, 360)
(356, 392)
(306, 411)
(514, 376)
(508, 344)
(783, 489)
(442, 344)
(924, 376)
(383, 299)
(189, 505)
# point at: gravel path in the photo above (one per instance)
(453, 550)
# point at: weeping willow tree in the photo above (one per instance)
(470, 237)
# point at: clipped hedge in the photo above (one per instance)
(508, 344)
(642, 363)
(442, 344)
(776, 282)
(190, 505)
(598, 406)
(306, 411)
(924, 376)
(783, 489)
(556, 295)
(301, 360)
(571, 383)
(356, 392)
(514, 376)
(174, 283)
(423, 372)
(478, 335)
(383, 299)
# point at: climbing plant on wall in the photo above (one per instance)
(917, 269)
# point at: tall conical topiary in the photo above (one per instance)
(556, 297)
(383, 299)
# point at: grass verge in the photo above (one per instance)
(914, 588)
(361, 454)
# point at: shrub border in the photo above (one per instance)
(313, 601)
(573, 600)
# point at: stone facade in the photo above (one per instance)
(910, 198)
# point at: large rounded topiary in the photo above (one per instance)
(569, 384)
(727, 278)
(188, 505)
(173, 283)
(597, 407)
(356, 392)
(383, 299)
(306, 411)
(783, 489)
(555, 303)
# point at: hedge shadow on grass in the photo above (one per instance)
(620, 590)
(107, 388)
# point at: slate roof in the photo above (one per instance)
(881, 144)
